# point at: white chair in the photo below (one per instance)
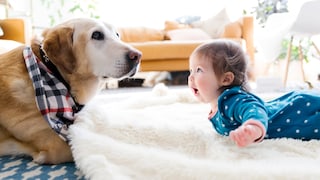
(270, 37)
(305, 25)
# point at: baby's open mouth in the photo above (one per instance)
(195, 91)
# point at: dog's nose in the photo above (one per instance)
(135, 56)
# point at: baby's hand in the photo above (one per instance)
(247, 133)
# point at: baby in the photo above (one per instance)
(218, 76)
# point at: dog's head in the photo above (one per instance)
(89, 47)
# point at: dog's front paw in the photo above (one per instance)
(40, 157)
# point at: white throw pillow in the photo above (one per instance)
(187, 34)
(214, 26)
(1, 32)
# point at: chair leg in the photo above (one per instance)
(301, 58)
(287, 62)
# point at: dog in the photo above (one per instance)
(72, 57)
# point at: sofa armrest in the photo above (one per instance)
(17, 29)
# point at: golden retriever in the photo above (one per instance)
(79, 52)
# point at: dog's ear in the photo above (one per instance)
(57, 44)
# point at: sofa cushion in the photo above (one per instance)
(187, 34)
(214, 26)
(155, 50)
(7, 45)
(140, 34)
(166, 49)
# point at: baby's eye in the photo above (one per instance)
(199, 70)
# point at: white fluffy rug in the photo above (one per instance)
(165, 134)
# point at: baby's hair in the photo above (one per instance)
(226, 56)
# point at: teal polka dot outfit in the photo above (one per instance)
(293, 115)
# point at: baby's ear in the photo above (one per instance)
(227, 78)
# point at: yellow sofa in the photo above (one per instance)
(160, 53)
(16, 29)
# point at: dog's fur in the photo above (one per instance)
(84, 51)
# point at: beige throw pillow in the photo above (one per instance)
(140, 34)
(214, 26)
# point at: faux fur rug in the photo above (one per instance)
(165, 134)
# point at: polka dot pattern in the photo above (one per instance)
(293, 115)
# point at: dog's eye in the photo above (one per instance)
(118, 35)
(97, 35)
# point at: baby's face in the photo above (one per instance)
(202, 79)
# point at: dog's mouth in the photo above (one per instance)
(131, 71)
(127, 68)
(134, 70)
(124, 70)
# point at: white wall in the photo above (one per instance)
(151, 13)
(154, 13)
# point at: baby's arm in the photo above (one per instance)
(249, 132)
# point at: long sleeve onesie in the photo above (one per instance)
(293, 115)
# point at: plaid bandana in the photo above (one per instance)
(52, 96)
